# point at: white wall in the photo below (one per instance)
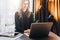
(3, 11)
(7, 12)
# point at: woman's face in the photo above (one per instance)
(25, 5)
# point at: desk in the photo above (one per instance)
(52, 36)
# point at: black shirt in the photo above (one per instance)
(23, 23)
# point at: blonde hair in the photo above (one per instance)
(20, 9)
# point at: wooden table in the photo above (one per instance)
(52, 36)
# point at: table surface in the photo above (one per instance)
(52, 36)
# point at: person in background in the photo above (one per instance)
(42, 14)
(23, 18)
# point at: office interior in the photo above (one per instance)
(9, 7)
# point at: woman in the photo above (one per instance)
(23, 18)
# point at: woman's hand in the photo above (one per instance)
(27, 31)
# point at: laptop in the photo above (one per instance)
(40, 30)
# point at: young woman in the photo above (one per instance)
(23, 18)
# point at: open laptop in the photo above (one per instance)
(40, 30)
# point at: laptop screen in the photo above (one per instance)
(39, 30)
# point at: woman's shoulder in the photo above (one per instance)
(16, 12)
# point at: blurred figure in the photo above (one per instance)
(23, 18)
(43, 14)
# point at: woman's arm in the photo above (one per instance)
(18, 24)
(31, 19)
